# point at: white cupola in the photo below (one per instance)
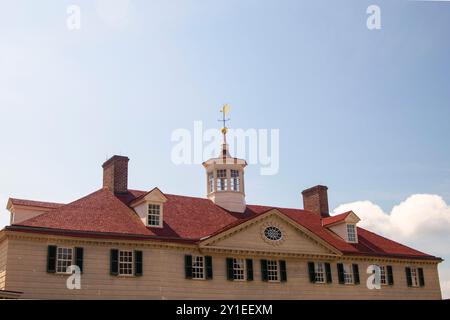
(225, 177)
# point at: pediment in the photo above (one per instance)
(251, 236)
(154, 195)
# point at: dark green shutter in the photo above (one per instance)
(230, 270)
(340, 269)
(51, 259)
(114, 262)
(283, 272)
(188, 266)
(209, 268)
(421, 277)
(249, 263)
(264, 275)
(408, 276)
(138, 263)
(79, 258)
(355, 273)
(328, 273)
(390, 275)
(312, 272)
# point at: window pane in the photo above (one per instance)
(63, 259)
(320, 272)
(272, 270)
(154, 214)
(125, 262)
(238, 269)
(198, 267)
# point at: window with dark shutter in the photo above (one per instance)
(328, 273)
(421, 277)
(188, 266)
(312, 272)
(283, 272)
(355, 273)
(79, 258)
(230, 272)
(264, 274)
(209, 268)
(249, 265)
(138, 263)
(408, 276)
(390, 275)
(114, 262)
(340, 269)
(51, 259)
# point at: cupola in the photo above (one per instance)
(225, 176)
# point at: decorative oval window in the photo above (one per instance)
(273, 233)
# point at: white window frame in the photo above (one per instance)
(222, 181)
(383, 275)
(121, 264)
(63, 269)
(273, 271)
(210, 182)
(159, 215)
(349, 278)
(198, 272)
(414, 277)
(351, 233)
(242, 269)
(235, 181)
(320, 272)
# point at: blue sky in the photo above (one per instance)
(363, 112)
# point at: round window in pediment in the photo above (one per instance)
(273, 233)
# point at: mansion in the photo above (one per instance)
(149, 244)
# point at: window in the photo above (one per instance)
(348, 274)
(320, 272)
(64, 258)
(235, 183)
(239, 269)
(211, 182)
(222, 180)
(414, 277)
(154, 215)
(198, 267)
(273, 233)
(272, 270)
(383, 278)
(351, 233)
(126, 263)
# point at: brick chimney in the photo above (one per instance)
(315, 199)
(115, 174)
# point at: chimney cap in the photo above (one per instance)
(114, 159)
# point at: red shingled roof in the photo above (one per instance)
(190, 219)
(333, 219)
(31, 203)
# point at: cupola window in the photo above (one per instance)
(235, 183)
(222, 180)
(210, 182)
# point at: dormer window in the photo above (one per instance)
(235, 183)
(351, 233)
(222, 180)
(154, 215)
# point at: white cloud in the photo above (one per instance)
(422, 221)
